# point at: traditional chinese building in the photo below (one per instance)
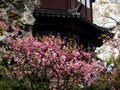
(70, 18)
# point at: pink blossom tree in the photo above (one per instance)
(43, 60)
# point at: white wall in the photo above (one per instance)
(87, 3)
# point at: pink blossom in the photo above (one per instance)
(86, 54)
(75, 53)
(33, 56)
(63, 57)
(5, 56)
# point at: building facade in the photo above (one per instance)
(69, 5)
(69, 18)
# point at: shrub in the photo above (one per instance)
(42, 61)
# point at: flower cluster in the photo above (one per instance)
(3, 23)
(43, 57)
(110, 49)
(3, 26)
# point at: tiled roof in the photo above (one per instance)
(61, 14)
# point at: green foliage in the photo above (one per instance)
(12, 15)
(2, 5)
(1, 30)
(107, 81)
(20, 24)
(102, 36)
(12, 83)
(19, 5)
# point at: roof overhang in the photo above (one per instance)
(60, 14)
